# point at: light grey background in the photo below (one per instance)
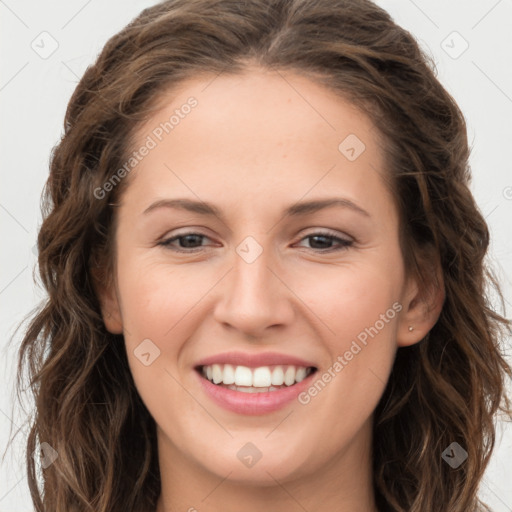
(34, 92)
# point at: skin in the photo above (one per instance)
(253, 146)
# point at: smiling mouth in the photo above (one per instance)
(262, 379)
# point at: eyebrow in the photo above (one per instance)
(295, 210)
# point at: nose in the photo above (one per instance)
(254, 297)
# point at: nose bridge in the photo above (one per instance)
(251, 277)
(250, 274)
(254, 298)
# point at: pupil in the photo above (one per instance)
(188, 237)
(325, 238)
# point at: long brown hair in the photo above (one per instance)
(444, 389)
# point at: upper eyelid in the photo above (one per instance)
(321, 231)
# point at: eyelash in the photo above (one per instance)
(344, 244)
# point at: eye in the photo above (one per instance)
(324, 239)
(190, 239)
(191, 242)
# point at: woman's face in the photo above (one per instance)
(317, 297)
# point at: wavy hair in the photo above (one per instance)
(447, 388)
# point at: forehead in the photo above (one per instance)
(258, 135)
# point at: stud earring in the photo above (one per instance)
(411, 328)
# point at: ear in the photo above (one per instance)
(111, 311)
(109, 302)
(422, 304)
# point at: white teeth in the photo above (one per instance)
(289, 375)
(254, 380)
(229, 374)
(261, 377)
(216, 373)
(278, 376)
(300, 375)
(243, 376)
(245, 389)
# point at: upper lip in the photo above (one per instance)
(254, 360)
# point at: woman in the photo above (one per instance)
(265, 273)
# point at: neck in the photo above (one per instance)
(343, 483)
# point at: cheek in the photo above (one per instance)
(349, 299)
(358, 307)
(155, 303)
(155, 297)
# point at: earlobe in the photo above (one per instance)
(422, 308)
(110, 310)
(112, 317)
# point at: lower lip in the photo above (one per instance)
(253, 403)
